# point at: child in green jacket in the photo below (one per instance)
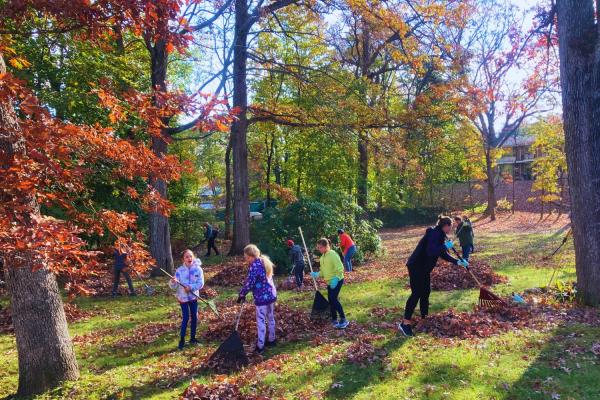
(332, 271)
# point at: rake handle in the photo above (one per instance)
(308, 257)
(239, 316)
(467, 268)
(182, 285)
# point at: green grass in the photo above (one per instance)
(516, 365)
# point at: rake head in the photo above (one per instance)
(230, 355)
(320, 308)
(488, 299)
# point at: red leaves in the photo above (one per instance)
(146, 334)
(219, 391)
(363, 352)
(450, 277)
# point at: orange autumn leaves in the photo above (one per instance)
(47, 210)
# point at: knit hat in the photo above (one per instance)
(290, 243)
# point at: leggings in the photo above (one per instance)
(420, 287)
(189, 309)
(334, 303)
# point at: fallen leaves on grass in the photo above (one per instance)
(208, 293)
(446, 276)
(219, 391)
(291, 324)
(480, 323)
(596, 348)
(145, 334)
(363, 351)
(230, 273)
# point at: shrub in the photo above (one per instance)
(186, 226)
(504, 205)
(317, 220)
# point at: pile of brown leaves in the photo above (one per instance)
(363, 352)
(446, 276)
(231, 274)
(146, 334)
(291, 324)
(208, 293)
(219, 391)
(480, 323)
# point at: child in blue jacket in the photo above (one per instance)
(260, 282)
(191, 277)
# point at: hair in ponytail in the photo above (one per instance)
(444, 220)
(253, 251)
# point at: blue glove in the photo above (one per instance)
(449, 244)
(518, 299)
(463, 263)
(314, 274)
(334, 282)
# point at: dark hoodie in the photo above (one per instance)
(430, 247)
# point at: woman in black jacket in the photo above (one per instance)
(433, 244)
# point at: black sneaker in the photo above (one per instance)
(406, 329)
(271, 344)
(181, 344)
(132, 294)
(117, 294)
(259, 350)
(194, 342)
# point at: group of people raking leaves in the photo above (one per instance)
(189, 278)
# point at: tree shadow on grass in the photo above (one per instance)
(566, 368)
(352, 378)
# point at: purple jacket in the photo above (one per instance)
(263, 288)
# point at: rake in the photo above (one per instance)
(320, 307)
(211, 304)
(487, 298)
(149, 289)
(230, 354)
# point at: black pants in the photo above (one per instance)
(211, 245)
(420, 287)
(334, 303)
(299, 275)
(117, 278)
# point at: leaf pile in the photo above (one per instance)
(208, 293)
(291, 324)
(146, 334)
(231, 274)
(219, 391)
(363, 352)
(480, 323)
(446, 276)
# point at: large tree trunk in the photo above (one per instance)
(239, 132)
(44, 347)
(363, 170)
(228, 190)
(159, 229)
(580, 79)
(491, 189)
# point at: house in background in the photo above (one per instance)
(210, 197)
(517, 158)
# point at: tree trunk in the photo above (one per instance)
(228, 190)
(580, 79)
(44, 347)
(271, 152)
(159, 229)
(239, 132)
(491, 189)
(363, 170)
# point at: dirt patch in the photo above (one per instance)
(446, 276)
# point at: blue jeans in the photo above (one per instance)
(466, 251)
(348, 258)
(189, 309)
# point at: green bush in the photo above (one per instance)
(186, 226)
(317, 220)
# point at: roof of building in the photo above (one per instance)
(519, 140)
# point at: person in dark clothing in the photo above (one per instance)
(297, 258)
(433, 244)
(120, 267)
(464, 233)
(210, 235)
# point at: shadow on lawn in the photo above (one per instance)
(565, 368)
(353, 378)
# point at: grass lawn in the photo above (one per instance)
(555, 363)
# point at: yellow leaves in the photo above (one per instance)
(19, 63)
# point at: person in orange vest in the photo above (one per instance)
(348, 249)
